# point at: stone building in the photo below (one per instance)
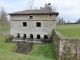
(36, 24)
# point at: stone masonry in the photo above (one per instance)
(66, 48)
(33, 23)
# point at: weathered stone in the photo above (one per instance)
(66, 48)
(48, 23)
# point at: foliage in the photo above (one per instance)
(48, 6)
(70, 30)
(3, 15)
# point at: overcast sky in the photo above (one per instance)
(69, 10)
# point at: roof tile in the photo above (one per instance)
(34, 12)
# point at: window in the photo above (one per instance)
(31, 17)
(49, 14)
(24, 24)
(38, 24)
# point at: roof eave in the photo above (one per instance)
(35, 14)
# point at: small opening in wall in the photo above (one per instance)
(38, 24)
(38, 36)
(45, 37)
(31, 35)
(49, 14)
(31, 17)
(24, 35)
(24, 24)
(18, 35)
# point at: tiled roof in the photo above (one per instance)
(34, 12)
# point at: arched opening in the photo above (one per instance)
(38, 36)
(45, 37)
(18, 35)
(24, 35)
(31, 35)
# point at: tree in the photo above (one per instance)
(54, 8)
(68, 22)
(60, 21)
(3, 15)
(78, 21)
(30, 4)
(48, 6)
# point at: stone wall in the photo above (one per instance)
(66, 48)
(4, 32)
(35, 17)
(48, 23)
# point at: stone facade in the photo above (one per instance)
(36, 25)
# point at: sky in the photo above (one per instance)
(69, 10)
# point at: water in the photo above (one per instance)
(23, 47)
(26, 45)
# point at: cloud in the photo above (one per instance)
(68, 9)
(13, 5)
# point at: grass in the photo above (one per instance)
(45, 50)
(39, 52)
(8, 55)
(70, 30)
(3, 45)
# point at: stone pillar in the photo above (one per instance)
(42, 36)
(35, 36)
(28, 36)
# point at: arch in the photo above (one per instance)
(31, 35)
(45, 37)
(18, 35)
(24, 35)
(38, 36)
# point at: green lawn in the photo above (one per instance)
(39, 52)
(69, 30)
